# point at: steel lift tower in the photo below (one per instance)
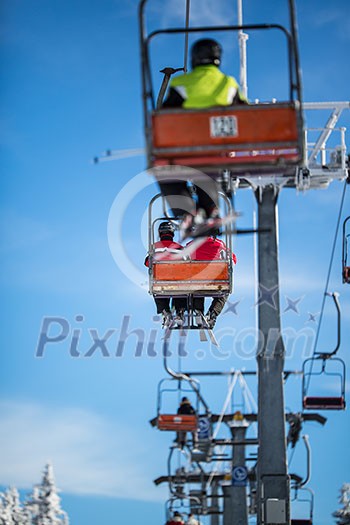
(272, 477)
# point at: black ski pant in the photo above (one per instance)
(163, 303)
(216, 306)
(180, 200)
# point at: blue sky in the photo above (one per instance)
(70, 89)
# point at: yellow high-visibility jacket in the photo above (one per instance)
(207, 86)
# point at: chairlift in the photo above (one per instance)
(345, 260)
(173, 421)
(198, 422)
(248, 140)
(177, 479)
(180, 481)
(307, 499)
(183, 277)
(332, 367)
(194, 499)
(183, 505)
(198, 502)
(325, 364)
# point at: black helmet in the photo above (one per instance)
(166, 228)
(216, 232)
(206, 51)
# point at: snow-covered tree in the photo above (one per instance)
(11, 511)
(5, 510)
(343, 514)
(32, 504)
(44, 502)
(43, 506)
(17, 509)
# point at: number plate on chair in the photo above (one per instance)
(225, 126)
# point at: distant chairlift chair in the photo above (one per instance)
(173, 421)
(200, 422)
(317, 402)
(327, 365)
(307, 499)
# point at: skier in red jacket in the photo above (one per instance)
(211, 249)
(165, 249)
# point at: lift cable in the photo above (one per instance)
(247, 394)
(220, 420)
(226, 403)
(249, 399)
(325, 294)
(290, 460)
(187, 23)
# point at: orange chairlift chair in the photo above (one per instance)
(248, 140)
(322, 366)
(187, 278)
(173, 421)
(198, 422)
(345, 263)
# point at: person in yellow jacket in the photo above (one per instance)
(205, 86)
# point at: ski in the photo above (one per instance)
(202, 336)
(213, 338)
(209, 227)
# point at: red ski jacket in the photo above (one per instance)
(211, 249)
